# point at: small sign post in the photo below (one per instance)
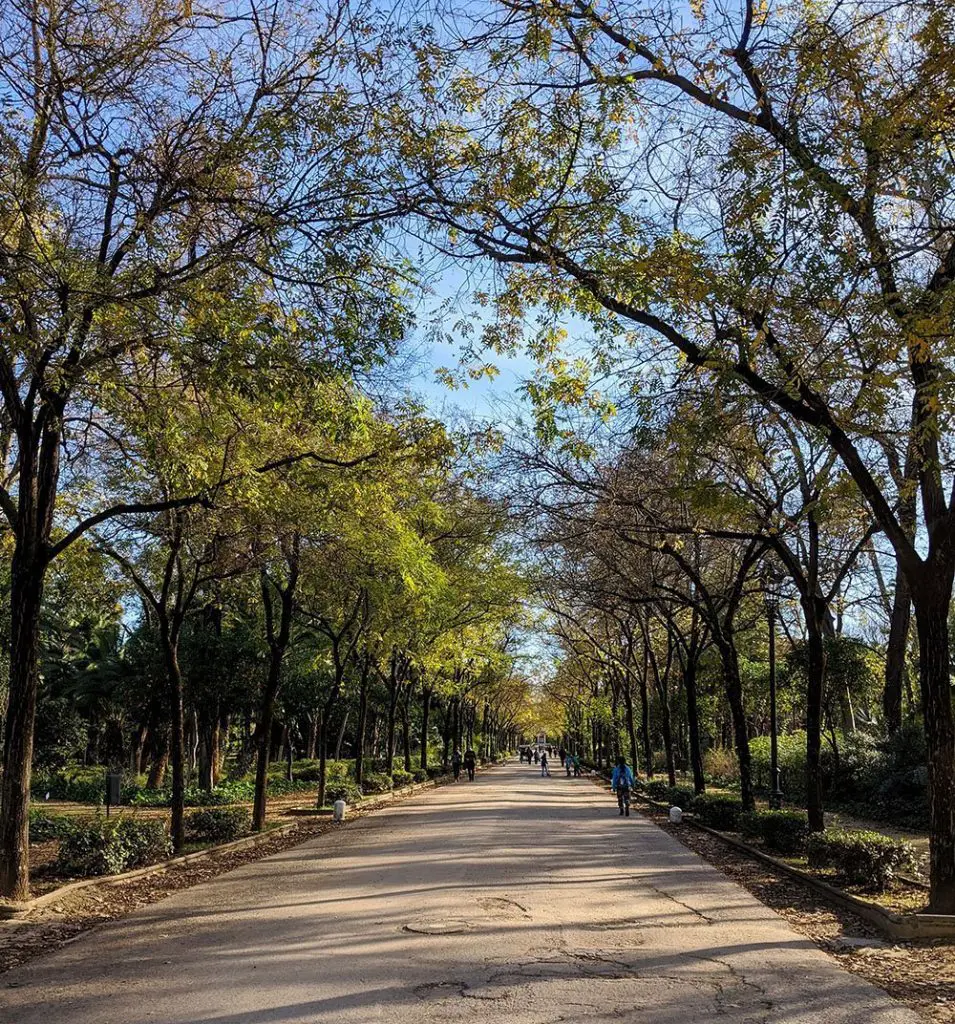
(114, 786)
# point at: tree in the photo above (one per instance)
(130, 202)
(768, 195)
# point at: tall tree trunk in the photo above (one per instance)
(446, 730)
(341, 736)
(406, 731)
(631, 729)
(815, 613)
(693, 722)
(362, 719)
(277, 636)
(733, 686)
(170, 642)
(26, 597)
(896, 652)
(645, 716)
(393, 687)
(322, 758)
(932, 602)
(425, 723)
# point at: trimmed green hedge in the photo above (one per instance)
(218, 824)
(718, 812)
(782, 831)
(376, 782)
(107, 846)
(867, 859)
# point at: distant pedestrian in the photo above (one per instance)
(544, 768)
(621, 783)
(537, 755)
(456, 764)
(470, 762)
(576, 766)
(562, 754)
(569, 764)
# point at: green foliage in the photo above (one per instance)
(718, 812)
(376, 782)
(792, 763)
(680, 796)
(72, 782)
(885, 779)
(867, 859)
(657, 789)
(420, 775)
(218, 824)
(400, 778)
(46, 827)
(108, 846)
(783, 831)
(721, 766)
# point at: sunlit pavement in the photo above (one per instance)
(515, 898)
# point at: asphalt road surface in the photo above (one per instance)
(513, 899)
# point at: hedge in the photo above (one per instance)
(107, 846)
(782, 831)
(867, 859)
(376, 782)
(718, 812)
(218, 824)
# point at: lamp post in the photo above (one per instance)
(771, 598)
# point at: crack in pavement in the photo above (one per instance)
(678, 902)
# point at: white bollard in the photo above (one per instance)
(676, 815)
(339, 812)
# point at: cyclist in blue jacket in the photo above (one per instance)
(621, 783)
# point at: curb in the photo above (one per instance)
(15, 911)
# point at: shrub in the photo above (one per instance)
(73, 782)
(400, 778)
(749, 825)
(107, 846)
(420, 775)
(376, 782)
(657, 789)
(436, 771)
(218, 824)
(782, 831)
(147, 840)
(46, 827)
(867, 859)
(721, 766)
(680, 796)
(344, 789)
(719, 812)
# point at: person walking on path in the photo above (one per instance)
(537, 755)
(621, 783)
(569, 764)
(470, 762)
(544, 768)
(456, 764)
(576, 766)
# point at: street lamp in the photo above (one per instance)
(771, 599)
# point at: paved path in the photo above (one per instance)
(514, 899)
